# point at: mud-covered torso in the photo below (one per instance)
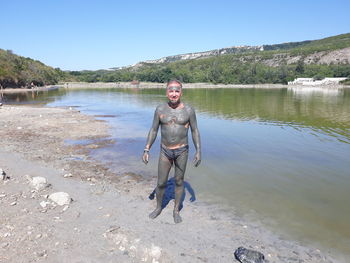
(174, 124)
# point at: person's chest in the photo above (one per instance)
(174, 116)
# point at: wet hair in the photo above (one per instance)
(174, 81)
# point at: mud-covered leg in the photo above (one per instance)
(164, 166)
(180, 168)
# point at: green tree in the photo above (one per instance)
(300, 68)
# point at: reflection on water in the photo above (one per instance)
(29, 97)
(316, 90)
(320, 110)
(279, 154)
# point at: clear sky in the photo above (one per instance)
(85, 34)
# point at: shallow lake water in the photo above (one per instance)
(280, 156)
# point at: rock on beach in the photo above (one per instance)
(245, 255)
(60, 198)
(38, 182)
(3, 174)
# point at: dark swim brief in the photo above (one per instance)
(173, 154)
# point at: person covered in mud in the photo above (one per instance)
(174, 119)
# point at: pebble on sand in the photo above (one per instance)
(43, 204)
(4, 245)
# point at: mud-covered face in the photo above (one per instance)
(174, 92)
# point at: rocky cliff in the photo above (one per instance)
(204, 54)
(331, 50)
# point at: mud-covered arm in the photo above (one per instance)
(152, 135)
(195, 137)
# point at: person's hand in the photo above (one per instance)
(151, 196)
(197, 159)
(145, 157)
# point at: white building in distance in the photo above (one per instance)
(312, 82)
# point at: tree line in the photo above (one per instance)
(20, 72)
(217, 70)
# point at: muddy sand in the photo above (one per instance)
(107, 221)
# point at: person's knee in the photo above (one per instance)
(179, 181)
(161, 185)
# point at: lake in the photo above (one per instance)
(279, 156)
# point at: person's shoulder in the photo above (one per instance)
(188, 107)
(161, 107)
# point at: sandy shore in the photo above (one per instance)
(44, 88)
(147, 85)
(108, 218)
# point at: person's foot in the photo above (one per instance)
(177, 217)
(155, 213)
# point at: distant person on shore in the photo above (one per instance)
(1, 95)
(174, 119)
